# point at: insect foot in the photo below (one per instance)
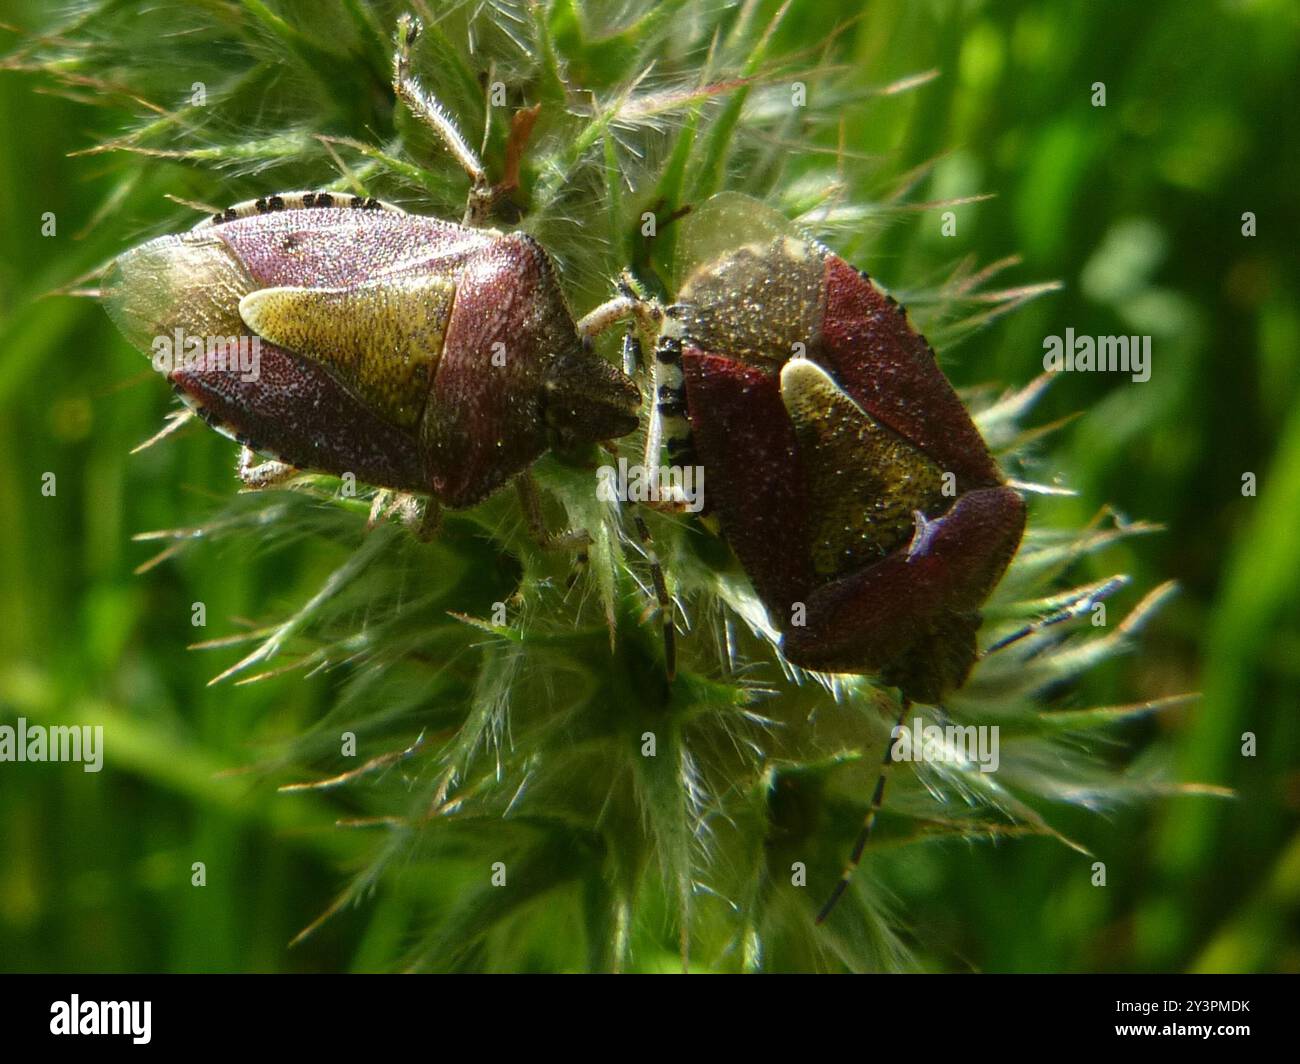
(258, 476)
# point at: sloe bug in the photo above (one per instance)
(416, 354)
(847, 475)
(848, 478)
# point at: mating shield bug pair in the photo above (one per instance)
(442, 359)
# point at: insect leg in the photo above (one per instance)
(864, 836)
(258, 475)
(420, 521)
(572, 539)
(608, 314)
(409, 90)
(580, 562)
(631, 304)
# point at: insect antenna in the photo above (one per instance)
(643, 317)
(1073, 608)
(428, 110)
(869, 822)
(631, 350)
(661, 595)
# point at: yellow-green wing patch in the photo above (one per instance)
(381, 338)
(864, 481)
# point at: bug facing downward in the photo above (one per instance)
(846, 474)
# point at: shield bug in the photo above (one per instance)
(844, 470)
(339, 334)
(845, 473)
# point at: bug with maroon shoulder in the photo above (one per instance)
(844, 471)
(419, 355)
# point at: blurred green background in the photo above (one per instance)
(1135, 207)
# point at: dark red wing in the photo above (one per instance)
(485, 419)
(914, 618)
(296, 411)
(337, 248)
(890, 371)
(744, 439)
